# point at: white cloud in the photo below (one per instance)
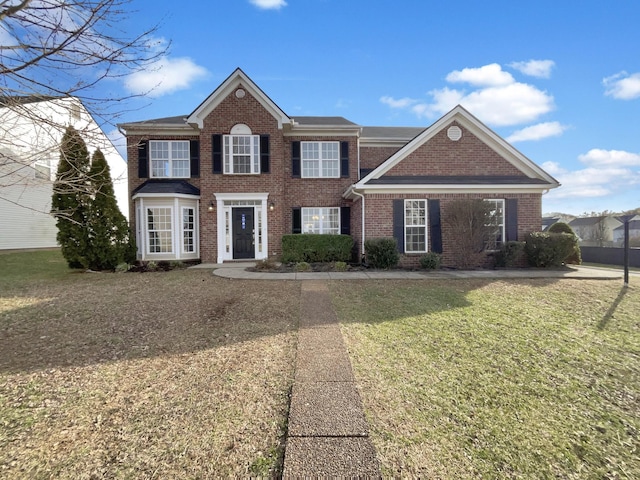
(537, 132)
(269, 4)
(397, 102)
(618, 158)
(496, 99)
(607, 172)
(167, 76)
(534, 68)
(490, 75)
(622, 86)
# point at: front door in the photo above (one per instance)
(243, 233)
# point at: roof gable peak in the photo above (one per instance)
(232, 82)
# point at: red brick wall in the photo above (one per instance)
(373, 157)
(379, 214)
(442, 157)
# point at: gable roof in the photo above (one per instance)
(534, 177)
(233, 81)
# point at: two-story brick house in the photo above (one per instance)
(228, 180)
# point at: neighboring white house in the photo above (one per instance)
(634, 231)
(595, 231)
(31, 131)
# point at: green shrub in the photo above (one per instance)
(122, 267)
(575, 257)
(509, 254)
(561, 227)
(545, 249)
(309, 247)
(302, 267)
(431, 261)
(152, 266)
(341, 266)
(382, 252)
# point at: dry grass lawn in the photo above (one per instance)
(157, 375)
(527, 379)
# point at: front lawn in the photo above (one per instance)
(156, 375)
(498, 379)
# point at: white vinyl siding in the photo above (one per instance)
(320, 159)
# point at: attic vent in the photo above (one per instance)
(454, 133)
(240, 93)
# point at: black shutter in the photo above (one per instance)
(194, 149)
(345, 220)
(344, 159)
(435, 226)
(296, 224)
(511, 219)
(216, 153)
(295, 159)
(398, 223)
(143, 159)
(264, 154)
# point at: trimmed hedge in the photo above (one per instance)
(311, 247)
(560, 227)
(510, 254)
(382, 252)
(545, 249)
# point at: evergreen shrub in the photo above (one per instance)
(544, 249)
(431, 261)
(382, 252)
(311, 248)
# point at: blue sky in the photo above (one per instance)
(560, 80)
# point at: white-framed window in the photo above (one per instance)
(169, 158)
(496, 224)
(321, 220)
(415, 226)
(320, 159)
(242, 154)
(188, 230)
(43, 168)
(159, 230)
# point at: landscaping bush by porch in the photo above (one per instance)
(382, 252)
(309, 247)
(549, 249)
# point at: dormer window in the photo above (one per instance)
(241, 151)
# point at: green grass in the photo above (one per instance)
(479, 379)
(27, 267)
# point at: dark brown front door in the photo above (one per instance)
(243, 233)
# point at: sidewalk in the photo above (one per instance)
(238, 271)
(328, 432)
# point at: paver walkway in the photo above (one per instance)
(328, 433)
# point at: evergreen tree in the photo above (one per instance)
(70, 198)
(110, 242)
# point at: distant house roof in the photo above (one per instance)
(400, 133)
(167, 187)
(24, 100)
(548, 221)
(633, 225)
(585, 221)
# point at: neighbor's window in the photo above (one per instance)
(159, 228)
(321, 220)
(415, 226)
(242, 154)
(320, 159)
(169, 159)
(188, 230)
(496, 224)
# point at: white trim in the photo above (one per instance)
(452, 188)
(221, 209)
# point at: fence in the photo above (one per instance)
(610, 256)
